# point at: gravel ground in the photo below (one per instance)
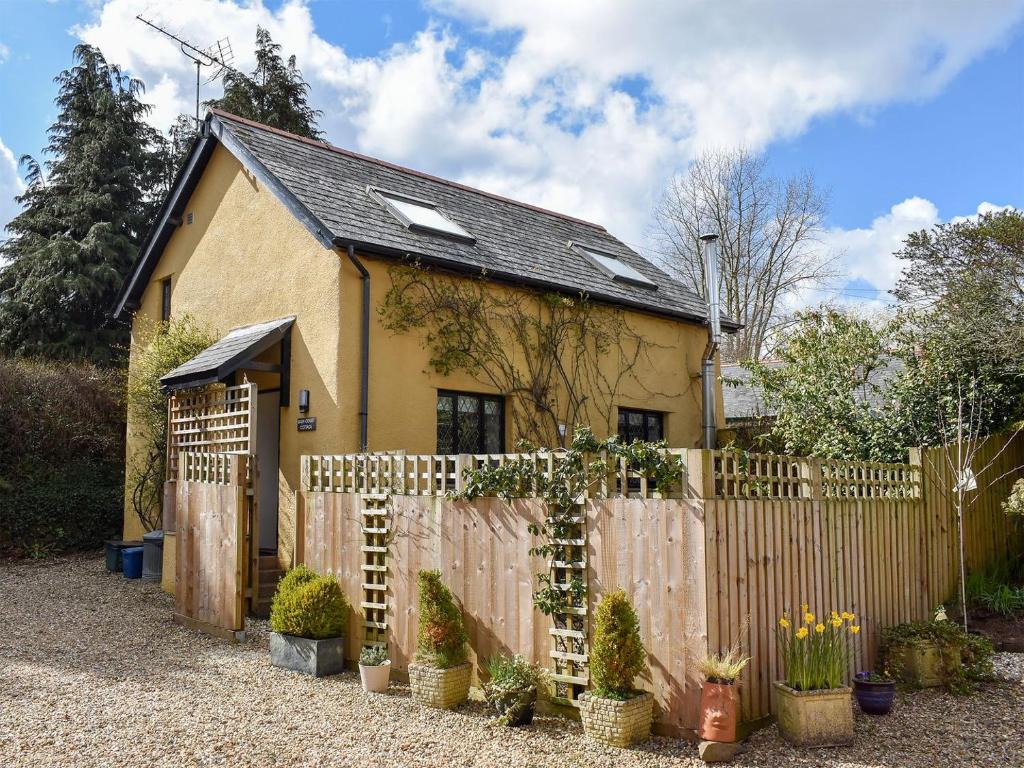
(94, 673)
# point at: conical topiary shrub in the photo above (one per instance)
(613, 711)
(440, 678)
(441, 641)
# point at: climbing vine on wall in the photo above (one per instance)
(558, 360)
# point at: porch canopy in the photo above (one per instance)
(236, 350)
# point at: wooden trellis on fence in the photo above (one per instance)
(375, 530)
(571, 651)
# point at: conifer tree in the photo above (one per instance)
(86, 209)
(275, 93)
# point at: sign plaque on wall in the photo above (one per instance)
(307, 424)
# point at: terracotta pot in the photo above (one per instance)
(719, 706)
(375, 678)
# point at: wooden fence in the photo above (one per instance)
(741, 540)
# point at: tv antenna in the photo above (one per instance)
(218, 57)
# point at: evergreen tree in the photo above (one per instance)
(274, 94)
(85, 212)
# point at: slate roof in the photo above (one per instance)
(745, 401)
(513, 240)
(228, 354)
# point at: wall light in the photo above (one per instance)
(303, 400)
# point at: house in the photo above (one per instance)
(292, 250)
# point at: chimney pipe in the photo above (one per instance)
(710, 253)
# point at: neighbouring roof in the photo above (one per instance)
(338, 195)
(224, 357)
(744, 401)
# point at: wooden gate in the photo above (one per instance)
(217, 528)
(211, 436)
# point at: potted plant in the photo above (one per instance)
(513, 688)
(613, 711)
(812, 705)
(926, 654)
(719, 702)
(440, 676)
(874, 692)
(374, 668)
(308, 616)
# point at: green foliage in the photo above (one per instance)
(997, 589)
(1013, 505)
(816, 651)
(275, 93)
(373, 655)
(441, 638)
(514, 685)
(579, 468)
(61, 456)
(967, 658)
(617, 655)
(161, 348)
(309, 605)
(84, 215)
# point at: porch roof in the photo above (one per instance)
(224, 357)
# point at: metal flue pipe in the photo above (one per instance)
(709, 246)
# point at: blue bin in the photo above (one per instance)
(132, 559)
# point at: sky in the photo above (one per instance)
(908, 113)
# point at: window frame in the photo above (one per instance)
(165, 299)
(646, 413)
(381, 196)
(481, 398)
(594, 255)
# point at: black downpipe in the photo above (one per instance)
(364, 362)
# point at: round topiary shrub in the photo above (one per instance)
(309, 605)
(442, 636)
(617, 655)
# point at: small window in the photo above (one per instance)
(648, 426)
(468, 423)
(421, 215)
(165, 300)
(614, 267)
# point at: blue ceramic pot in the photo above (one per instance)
(874, 698)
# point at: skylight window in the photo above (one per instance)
(421, 215)
(615, 268)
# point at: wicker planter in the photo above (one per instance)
(375, 678)
(439, 688)
(618, 723)
(814, 718)
(318, 658)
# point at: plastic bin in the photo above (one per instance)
(132, 559)
(113, 549)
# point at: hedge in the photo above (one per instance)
(61, 456)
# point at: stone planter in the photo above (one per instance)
(619, 723)
(814, 718)
(922, 665)
(318, 658)
(439, 688)
(375, 678)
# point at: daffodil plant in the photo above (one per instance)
(816, 654)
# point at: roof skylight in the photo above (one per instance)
(614, 267)
(421, 215)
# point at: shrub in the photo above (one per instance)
(514, 685)
(442, 636)
(61, 456)
(966, 658)
(617, 655)
(373, 655)
(309, 605)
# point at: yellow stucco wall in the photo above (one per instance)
(246, 259)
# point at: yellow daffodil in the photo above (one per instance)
(808, 618)
(835, 615)
(806, 607)
(819, 628)
(847, 616)
(784, 622)
(801, 633)
(836, 622)
(855, 629)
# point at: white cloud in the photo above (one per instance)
(10, 185)
(5, 53)
(550, 122)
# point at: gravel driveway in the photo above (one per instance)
(93, 672)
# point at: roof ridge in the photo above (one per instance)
(401, 168)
